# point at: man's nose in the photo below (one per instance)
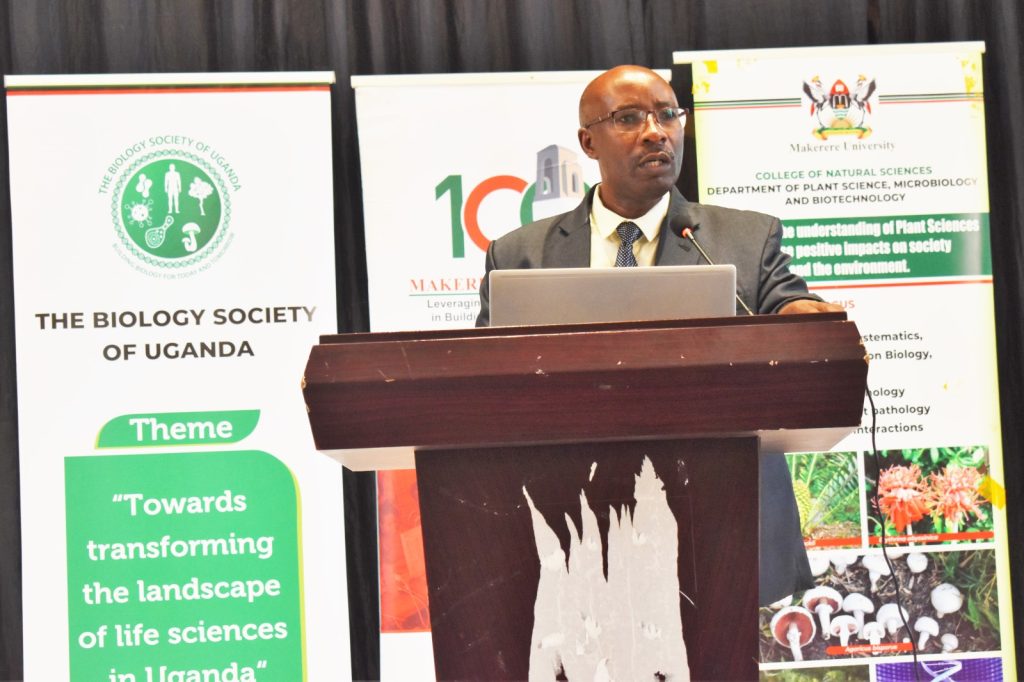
(652, 129)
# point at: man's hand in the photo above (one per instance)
(806, 305)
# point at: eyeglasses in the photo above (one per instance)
(633, 120)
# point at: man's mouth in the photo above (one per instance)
(656, 160)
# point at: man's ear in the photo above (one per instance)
(587, 143)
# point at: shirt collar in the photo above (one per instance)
(605, 220)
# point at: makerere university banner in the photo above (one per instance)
(874, 157)
(172, 248)
(493, 151)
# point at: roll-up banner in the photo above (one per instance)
(172, 248)
(492, 151)
(874, 157)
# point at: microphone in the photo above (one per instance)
(686, 232)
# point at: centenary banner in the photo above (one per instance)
(880, 216)
(173, 240)
(493, 151)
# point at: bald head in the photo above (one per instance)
(639, 162)
(600, 91)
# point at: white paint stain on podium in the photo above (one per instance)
(623, 627)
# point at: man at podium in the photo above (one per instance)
(631, 124)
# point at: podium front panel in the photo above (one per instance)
(555, 560)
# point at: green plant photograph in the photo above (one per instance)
(827, 490)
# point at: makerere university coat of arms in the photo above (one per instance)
(838, 111)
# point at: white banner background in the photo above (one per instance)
(67, 259)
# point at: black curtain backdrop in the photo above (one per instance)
(353, 37)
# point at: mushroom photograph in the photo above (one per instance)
(793, 627)
(960, 593)
(947, 604)
(930, 491)
(827, 489)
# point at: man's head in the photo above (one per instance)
(637, 166)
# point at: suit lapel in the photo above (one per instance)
(569, 244)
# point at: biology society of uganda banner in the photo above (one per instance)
(172, 241)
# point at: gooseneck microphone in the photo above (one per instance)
(686, 232)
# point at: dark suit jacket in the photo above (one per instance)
(748, 240)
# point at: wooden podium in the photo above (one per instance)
(524, 433)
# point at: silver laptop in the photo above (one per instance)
(570, 295)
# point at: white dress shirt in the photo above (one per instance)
(605, 242)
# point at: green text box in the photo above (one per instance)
(214, 535)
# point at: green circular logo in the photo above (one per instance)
(171, 209)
